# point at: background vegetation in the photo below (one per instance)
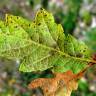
(78, 17)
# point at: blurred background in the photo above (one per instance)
(78, 17)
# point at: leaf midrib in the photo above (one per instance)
(62, 53)
(39, 44)
(44, 46)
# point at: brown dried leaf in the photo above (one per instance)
(61, 85)
(66, 90)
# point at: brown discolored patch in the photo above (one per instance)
(52, 85)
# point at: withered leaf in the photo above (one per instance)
(62, 83)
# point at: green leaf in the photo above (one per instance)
(41, 44)
(58, 51)
(13, 47)
(29, 27)
(15, 29)
(3, 28)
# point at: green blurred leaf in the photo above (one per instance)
(90, 38)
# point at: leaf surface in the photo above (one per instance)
(54, 49)
(42, 44)
(61, 85)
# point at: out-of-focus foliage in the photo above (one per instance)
(90, 38)
(69, 16)
(83, 86)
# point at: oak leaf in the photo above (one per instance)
(41, 44)
(62, 83)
